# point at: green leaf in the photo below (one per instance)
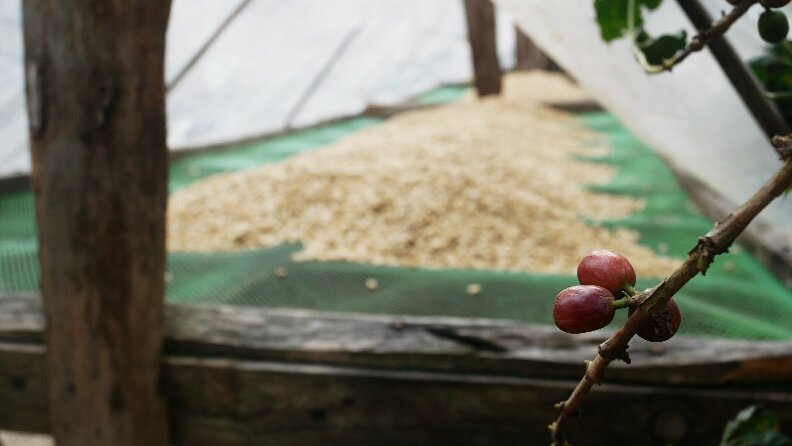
(750, 419)
(651, 4)
(656, 50)
(754, 426)
(774, 70)
(612, 17)
(766, 438)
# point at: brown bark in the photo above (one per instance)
(528, 55)
(483, 47)
(96, 106)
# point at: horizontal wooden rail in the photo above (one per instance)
(238, 376)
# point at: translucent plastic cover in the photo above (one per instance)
(692, 116)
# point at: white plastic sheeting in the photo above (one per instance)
(252, 79)
(14, 157)
(191, 24)
(691, 116)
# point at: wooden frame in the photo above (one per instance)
(238, 376)
(96, 117)
(480, 15)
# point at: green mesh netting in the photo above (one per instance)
(738, 298)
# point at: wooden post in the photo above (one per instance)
(528, 55)
(483, 46)
(96, 108)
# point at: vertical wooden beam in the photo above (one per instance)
(96, 107)
(527, 55)
(483, 46)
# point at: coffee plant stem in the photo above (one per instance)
(630, 290)
(716, 241)
(626, 302)
(698, 42)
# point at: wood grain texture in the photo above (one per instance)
(219, 401)
(480, 16)
(435, 344)
(251, 402)
(96, 108)
(241, 376)
(414, 343)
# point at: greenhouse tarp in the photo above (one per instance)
(253, 67)
(692, 116)
(258, 73)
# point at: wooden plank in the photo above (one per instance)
(461, 345)
(24, 387)
(14, 183)
(434, 344)
(480, 16)
(227, 402)
(221, 401)
(528, 55)
(96, 109)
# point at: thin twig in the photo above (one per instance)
(716, 241)
(699, 41)
(747, 86)
(783, 146)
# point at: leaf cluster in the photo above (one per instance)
(619, 18)
(754, 426)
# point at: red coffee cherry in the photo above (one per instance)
(583, 308)
(607, 269)
(661, 327)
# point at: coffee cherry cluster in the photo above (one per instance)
(603, 276)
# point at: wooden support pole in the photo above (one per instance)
(483, 46)
(96, 108)
(528, 55)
